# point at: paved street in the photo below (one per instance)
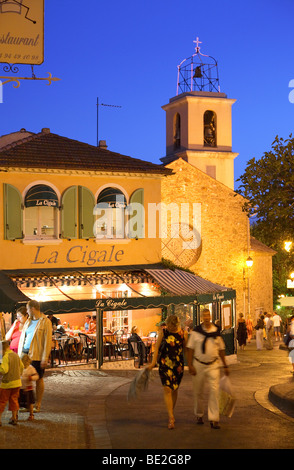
(88, 409)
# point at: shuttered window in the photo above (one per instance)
(69, 213)
(86, 213)
(77, 207)
(41, 213)
(13, 213)
(110, 214)
(136, 222)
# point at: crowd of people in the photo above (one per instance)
(25, 353)
(269, 328)
(27, 346)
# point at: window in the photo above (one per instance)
(211, 171)
(110, 214)
(177, 131)
(209, 129)
(117, 320)
(13, 213)
(41, 211)
(77, 213)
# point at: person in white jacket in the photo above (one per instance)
(36, 341)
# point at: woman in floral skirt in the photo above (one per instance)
(169, 353)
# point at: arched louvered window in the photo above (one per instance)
(41, 210)
(209, 129)
(110, 214)
(177, 131)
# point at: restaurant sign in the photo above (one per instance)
(78, 255)
(22, 31)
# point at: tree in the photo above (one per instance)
(268, 187)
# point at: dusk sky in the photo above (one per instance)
(127, 52)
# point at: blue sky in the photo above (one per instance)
(127, 52)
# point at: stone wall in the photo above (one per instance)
(221, 257)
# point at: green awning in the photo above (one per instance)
(10, 295)
(41, 195)
(112, 197)
(132, 303)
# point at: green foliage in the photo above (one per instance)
(268, 186)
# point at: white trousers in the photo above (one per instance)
(206, 375)
(259, 338)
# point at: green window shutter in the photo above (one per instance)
(136, 222)
(69, 213)
(86, 213)
(13, 213)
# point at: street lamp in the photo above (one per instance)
(287, 246)
(249, 262)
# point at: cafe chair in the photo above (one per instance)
(109, 349)
(138, 352)
(120, 346)
(88, 346)
(57, 351)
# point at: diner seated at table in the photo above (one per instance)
(60, 328)
(135, 338)
(90, 324)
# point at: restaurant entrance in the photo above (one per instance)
(143, 304)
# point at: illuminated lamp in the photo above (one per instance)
(249, 262)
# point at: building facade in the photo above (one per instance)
(199, 152)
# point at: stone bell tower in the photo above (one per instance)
(199, 120)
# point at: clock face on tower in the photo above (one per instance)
(183, 248)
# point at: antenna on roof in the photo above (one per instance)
(103, 104)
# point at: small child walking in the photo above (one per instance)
(27, 396)
(11, 369)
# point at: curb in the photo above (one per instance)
(282, 396)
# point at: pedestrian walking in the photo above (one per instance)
(241, 331)
(269, 332)
(11, 368)
(26, 394)
(36, 341)
(205, 347)
(169, 352)
(13, 334)
(249, 326)
(277, 326)
(259, 327)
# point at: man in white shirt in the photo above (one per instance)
(269, 328)
(205, 346)
(277, 326)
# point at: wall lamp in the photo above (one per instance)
(249, 262)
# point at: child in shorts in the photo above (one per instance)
(27, 396)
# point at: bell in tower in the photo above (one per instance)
(199, 119)
(198, 73)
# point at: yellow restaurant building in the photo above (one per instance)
(77, 236)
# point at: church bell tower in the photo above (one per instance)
(199, 120)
